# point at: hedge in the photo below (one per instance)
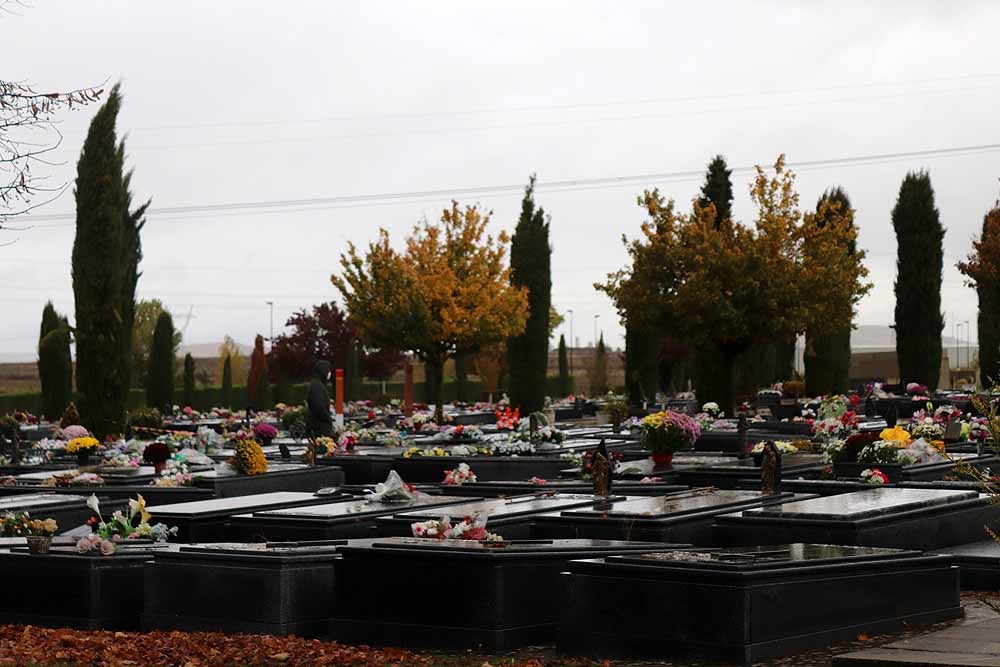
(211, 397)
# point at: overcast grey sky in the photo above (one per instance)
(241, 102)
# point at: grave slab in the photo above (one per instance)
(979, 563)
(507, 595)
(66, 589)
(206, 520)
(279, 477)
(512, 518)
(918, 472)
(922, 519)
(331, 521)
(276, 589)
(685, 516)
(69, 511)
(499, 489)
(965, 645)
(749, 603)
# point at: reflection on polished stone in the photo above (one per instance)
(863, 504)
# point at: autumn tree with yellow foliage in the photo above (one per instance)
(447, 293)
(724, 286)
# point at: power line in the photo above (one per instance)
(568, 185)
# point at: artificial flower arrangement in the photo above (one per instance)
(326, 446)
(538, 481)
(348, 441)
(668, 432)
(836, 426)
(249, 458)
(783, 447)
(264, 431)
(507, 419)
(884, 452)
(874, 476)
(119, 459)
(917, 390)
(82, 444)
(926, 429)
(24, 417)
(72, 478)
(156, 453)
(979, 430)
(119, 528)
(425, 451)
(460, 475)
(20, 524)
(512, 447)
(587, 462)
(469, 528)
(712, 410)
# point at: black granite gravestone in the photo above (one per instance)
(679, 517)
(979, 564)
(512, 518)
(507, 595)
(205, 520)
(881, 517)
(279, 477)
(275, 589)
(750, 603)
(333, 521)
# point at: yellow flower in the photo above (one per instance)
(82, 444)
(249, 458)
(939, 444)
(896, 434)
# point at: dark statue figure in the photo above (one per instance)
(601, 470)
(742, 429)
(319, 420)
(770, 470)
(891, 414)
(871, 406)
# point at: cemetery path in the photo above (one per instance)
(44, 647)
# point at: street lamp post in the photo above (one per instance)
(968, 344)
(596, 317)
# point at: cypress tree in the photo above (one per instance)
(565, 389)
(352, 374)
(106, 254)
(599, 370)
(431, 380)
(641, 352)
(55, 365)
(530, 264)
(718, 189)
(983, 271)
(828, 353)
(188, 379)
(227, 382)
(919, 260)
(258, 384)
(160, 378)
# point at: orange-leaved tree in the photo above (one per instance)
(723, 288)
(447, 293)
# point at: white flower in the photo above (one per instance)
(94, 504)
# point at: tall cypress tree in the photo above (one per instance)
(106, 254)
(983, 271)
(919, 260)
(160, 377)
(709, 378)
(258, 384)
(352, 374)
(641, 365)
(564, 384)
(55, 365)
(530, 263)
(828, 352)
(718, 189)
(188, 379)
(599, 369)
(227, 382)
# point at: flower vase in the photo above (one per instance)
(39, 544)
(662, 460)
(83, 457)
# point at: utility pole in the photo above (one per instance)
(570, 311)
(596, 317)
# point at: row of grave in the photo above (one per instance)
(734, 572)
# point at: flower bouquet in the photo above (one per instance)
(460, 475)
(393, 490)
(874, 476)
(156, 453)
(507, 419)
(664, 433)
(469, 528)
(37, 532)
(83, 447)
(249, 458)
(120, 529)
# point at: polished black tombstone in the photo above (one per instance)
(65, 589)
(69, 511)
(918, 472)
(680, 517)
(750, 603)
(274, 589)
(512, 488)
(279, 477)
(205, 520)
(733, 473)
(512, 518)
(332, 521)
(979, 564)
(506, 595)
(881, 517)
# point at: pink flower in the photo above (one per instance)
(107, 548)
